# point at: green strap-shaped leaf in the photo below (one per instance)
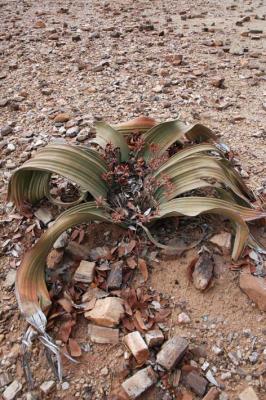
(167, 133)
(185, 153)
(30, 182)
(200, 167)
(31, 291)
(106, 134)
(193, 206)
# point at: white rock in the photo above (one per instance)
(183, 318)
(47, 386)
(12, 390)
(216, 350)
(11, 147)
(44, 215)
(85, 271)
(226, 375)
(65, 386)
(61, 241)
(107, 312)
(205, 366)
(222, 240)
(137, 346)
(154, 337)
(211, 378)
(139, 382)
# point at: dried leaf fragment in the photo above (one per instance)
(143, 268)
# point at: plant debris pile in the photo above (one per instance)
(131, 185)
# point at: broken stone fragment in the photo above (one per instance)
(139, 383)
(255, 288)
(176, 378)
(114, 280)
(12, 390)
(183, 318)
(218, 82)
(248, 394)
(107, 312)
(54, 258)
(100, 334)
(47, 386)
(222, 240)
(196, 383)
(137, 346)
(154, 338)
(61, 241)
(172, 352)
(203, 272)
(39, 24)
(44, 215)
(85, 272)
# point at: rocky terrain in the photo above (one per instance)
(65, 64)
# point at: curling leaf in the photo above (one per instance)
(106, 134)
(193, 206)
(167, 133)
(31, 291)
(30, 182)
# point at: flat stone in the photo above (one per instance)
(255, 288)
(248, 394)
(65, 386)
(176, 378)
(172, 352)
(107, 312)
(137, 346)
(218, 82)
(47, 387)
(61, 241)
(62, 117)
(44, 215)
(137, 384)
(12, 390)
(3, 102)
(85, 272)
(72, 132)
(6, 130)
(114, 280)
(83, 135)
(46, 91)
(154, 338)
(222, 240)
(196, 383)
(183, 318)
(103, 335)
(236, 49)
(203, 272)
